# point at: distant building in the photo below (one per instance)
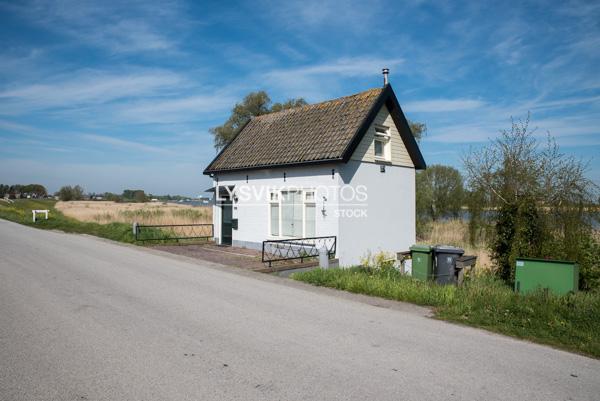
(205, 200)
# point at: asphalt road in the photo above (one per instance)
(86, 319)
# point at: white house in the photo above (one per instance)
(343, 168)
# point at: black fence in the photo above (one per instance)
(164, 232)
(297, 248)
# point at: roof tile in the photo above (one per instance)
(315, 132)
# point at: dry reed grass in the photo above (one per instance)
(455, 232)
(143, 213)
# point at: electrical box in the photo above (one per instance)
(558, 276)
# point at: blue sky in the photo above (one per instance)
(113, 96)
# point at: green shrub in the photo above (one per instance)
(379, 260)
(518, 232)
(69, 193)
(589, 263)
(544, 200)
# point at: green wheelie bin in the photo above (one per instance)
(422, 262)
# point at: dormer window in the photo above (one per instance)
(381, 143)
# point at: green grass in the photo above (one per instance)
(571, 322)
(20, 212)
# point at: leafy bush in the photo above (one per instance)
(69, 193)
(134, 195)
(543, 199)
(589, 264)
(379, 260)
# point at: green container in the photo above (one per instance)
(422, 262)
(560, 277)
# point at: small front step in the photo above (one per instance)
(294, 266)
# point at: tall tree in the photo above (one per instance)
(543, 200)
(418, 129)
(36, 190)
(254, 104)
(69, 193)
(288, 104)
(439, 192)
(4, 190)
(134, 195)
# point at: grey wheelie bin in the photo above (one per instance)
(445, 263)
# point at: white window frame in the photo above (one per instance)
(306, 202)
(274, 199)
(305, 193)
(382, 134)
(279, 196)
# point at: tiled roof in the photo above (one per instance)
(312, 133)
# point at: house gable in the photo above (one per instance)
(365, 150)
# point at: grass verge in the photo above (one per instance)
(571, 322)
(20, 212)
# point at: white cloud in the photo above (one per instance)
(176, 109)
(12, 127)
(462, 133)
(510, 42)
(343, 67)
(317, 81)
(133, 26)
(121, 143)
(568, 128)
(130, 36)
(351, 14)
(169, 143)
(22, 61)
(485, 123)
(566, 102)
(581, 9)
(511, 50)
(86, 87)
(442, 105)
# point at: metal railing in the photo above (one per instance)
(163, 232)
(297, 248)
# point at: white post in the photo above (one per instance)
(135, 224)
(35, 213)
(323, 258)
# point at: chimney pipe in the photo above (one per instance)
(385, 72)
